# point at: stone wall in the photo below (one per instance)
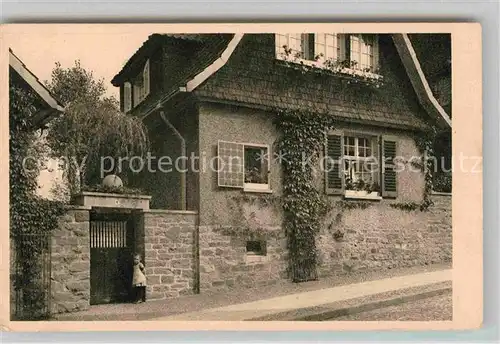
(169, 253)
(381, 237)
(377, 237)
(224, 262)
(71, 262)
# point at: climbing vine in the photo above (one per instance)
(304, 206)
(425, 144)
(31, 217)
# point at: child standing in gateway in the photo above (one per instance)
(139, 279)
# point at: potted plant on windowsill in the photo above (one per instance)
(361, 189)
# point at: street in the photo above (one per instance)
(430, 309)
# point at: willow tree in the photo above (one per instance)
(91, 128)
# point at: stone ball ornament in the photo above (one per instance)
(112, 180)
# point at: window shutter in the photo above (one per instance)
(146, 79)
(389, 180)
(230, 169)
(127, 97)
(334, 174)
(135, 93)
(376, 55)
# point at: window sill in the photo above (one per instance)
(374, 196)
(257, 188)
(343, 71)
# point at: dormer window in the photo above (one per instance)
(137, 89)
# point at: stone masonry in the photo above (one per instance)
(169, 253)
(71, 262)
(224, 262)
(381, 237)
(378, 237)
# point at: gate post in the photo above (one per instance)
(70, 256)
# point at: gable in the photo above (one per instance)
(254, 77)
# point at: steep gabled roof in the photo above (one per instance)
(49, 105)
(210, 58)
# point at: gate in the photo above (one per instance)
(30, 275)
(111, 251)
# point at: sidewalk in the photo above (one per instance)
(253, 303)
(308, 300)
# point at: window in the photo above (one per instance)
(301, 46)
(257, 248)
(141, 85)
(243, 165)
(360, 49)
(360, 165)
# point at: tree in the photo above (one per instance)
(91, 127)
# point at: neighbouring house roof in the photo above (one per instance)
(48, 105)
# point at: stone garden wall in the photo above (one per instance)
(376, 237)
(381, 237)
(70, 275)
(225, 263)
(169, 253)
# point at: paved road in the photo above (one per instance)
(433, 308)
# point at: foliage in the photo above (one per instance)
(92, 128)
(425, 144)
(442, 182)
(303, 135)
(349, 205)
(30, 216)
(407, 206)
(113, 189)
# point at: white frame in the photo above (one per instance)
(257, 187)
(375, 51)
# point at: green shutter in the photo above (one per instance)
(389, 180)
(230, 169)
(334, 181)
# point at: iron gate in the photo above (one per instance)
(30, 275)
(111, 257)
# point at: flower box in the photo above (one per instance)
(111, 200)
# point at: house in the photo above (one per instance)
(214, 97)
(216, 177)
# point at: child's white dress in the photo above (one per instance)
(139, 279)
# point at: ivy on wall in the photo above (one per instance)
(31, 218)
(425, 144)
(303, 135)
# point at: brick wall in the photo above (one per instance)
(71, 262)
(169, 253)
